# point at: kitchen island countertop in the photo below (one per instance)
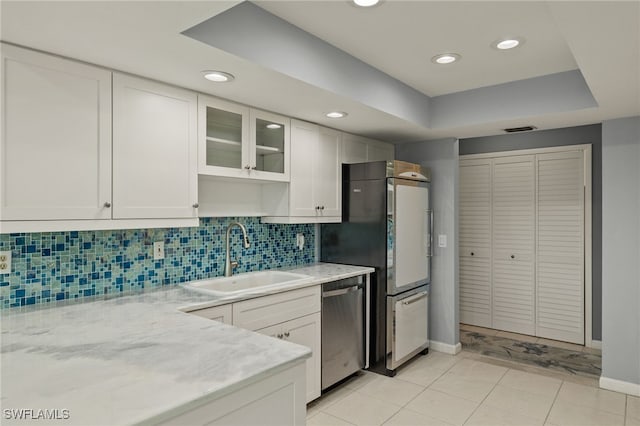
(129, 358)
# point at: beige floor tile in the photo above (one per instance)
(420, 375)
(597, 399)
(516, 336)
(530, 382)
(406, 417)
(558, 344)
(480, 370)
(462, 386)
(491, 416)
(324, 419)
(328, 399)
(361, 409)
(481, 330)
(633, 407)
(567, 414)
(448, 408)
(517, 401)
(393, 390)
(360, 379)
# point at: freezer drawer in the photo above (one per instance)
(407, 331)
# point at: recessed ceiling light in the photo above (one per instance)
(273, 126)
(218, 76)
(336, 114)
(508, 43)
(366, 3)
(445, 58)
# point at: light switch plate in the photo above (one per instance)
(5, 262)
(442, 240)
(300, 241)
(158, 250)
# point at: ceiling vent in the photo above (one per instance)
(520, 129)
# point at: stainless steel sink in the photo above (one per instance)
(246, 283)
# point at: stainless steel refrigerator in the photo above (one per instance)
(387, 224)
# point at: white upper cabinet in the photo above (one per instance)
(314, 193)
(358, 149)
(55, 154)
(154, 150)
(241, 142)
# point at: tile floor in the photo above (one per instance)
(470, 389)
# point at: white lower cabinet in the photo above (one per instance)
(304, 331)
(221, 313)
(276, 400)
(291, 315)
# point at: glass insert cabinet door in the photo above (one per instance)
(238, 141)
(271, 147)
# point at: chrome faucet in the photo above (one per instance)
(228, 263)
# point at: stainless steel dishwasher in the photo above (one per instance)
(343, 325)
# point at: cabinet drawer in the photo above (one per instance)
(265, 311)
(217, 313)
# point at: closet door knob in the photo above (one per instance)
(512, 256)
(287, 334)
(472, 253)
(196, 205)
(248, 167)
(107, 204)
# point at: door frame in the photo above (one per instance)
(588, 237)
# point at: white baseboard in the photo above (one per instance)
(620, 386)
(445, 347)
(596, 344)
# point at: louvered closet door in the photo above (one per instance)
(560, 255)
(475, 242)
(514, 244)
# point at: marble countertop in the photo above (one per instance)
(126, 359)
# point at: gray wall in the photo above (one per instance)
(442, 157)
(621, 250)
(558, 137)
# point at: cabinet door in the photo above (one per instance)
(55, 155)
(304, 139)
(270, 145)
(560, 251)
(354, 149)
(327, 173)
(221, 313)
(475, 242)
(513, 244)
(223, 138)
(154, 150)
(304, 331)
(377, 151)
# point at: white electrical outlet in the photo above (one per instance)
(300, 241)
(442, 240)
(158, 250)
(5, 262)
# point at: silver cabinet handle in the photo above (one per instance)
(339, 291)
(107, 204)
(287, 334)
(196, 205)
(417, 297)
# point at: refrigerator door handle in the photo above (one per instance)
(430, 236)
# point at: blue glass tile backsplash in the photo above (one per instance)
(53, 266)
